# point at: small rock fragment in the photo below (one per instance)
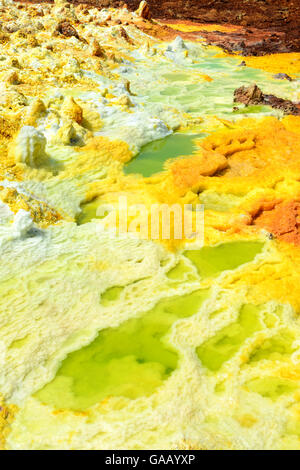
(15, 63)
(125, 36)
(11, 27)
(72, 110)
(95, 49)
(66, 29)
(283, 76)
(32, 41)
(124, 100)
(36, 109)
(127, 87)
(253, 95)
(12, 78)
(10, 97)
(248, 95)
(178, 45)
(144, 11)
(70, 133)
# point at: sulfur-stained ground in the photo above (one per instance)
(126, 340)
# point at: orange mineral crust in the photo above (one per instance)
(283, 221)
(253, 154)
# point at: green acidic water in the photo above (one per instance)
(222, 347)
(111, 294)
(271, 387)
(180, 86)
(275, 349)
(176, 77)
(131, 360)
(89, 212)
(152, 156)
(179, 271)
(211, 260)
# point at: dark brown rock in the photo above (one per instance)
(66, 29)
(283, 76)
(248, 95)
(280, 17)
(253, 95)
(144, 11)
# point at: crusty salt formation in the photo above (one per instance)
(29, 147)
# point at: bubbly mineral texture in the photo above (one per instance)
(116, 333)
(283, 221)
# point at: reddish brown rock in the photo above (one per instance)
(125, 36)
(95, 49)
(248, 95)
(253, 95)
(274, 24)
(282, 221)
(144, 11)
(283, 76)
(66, 29)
